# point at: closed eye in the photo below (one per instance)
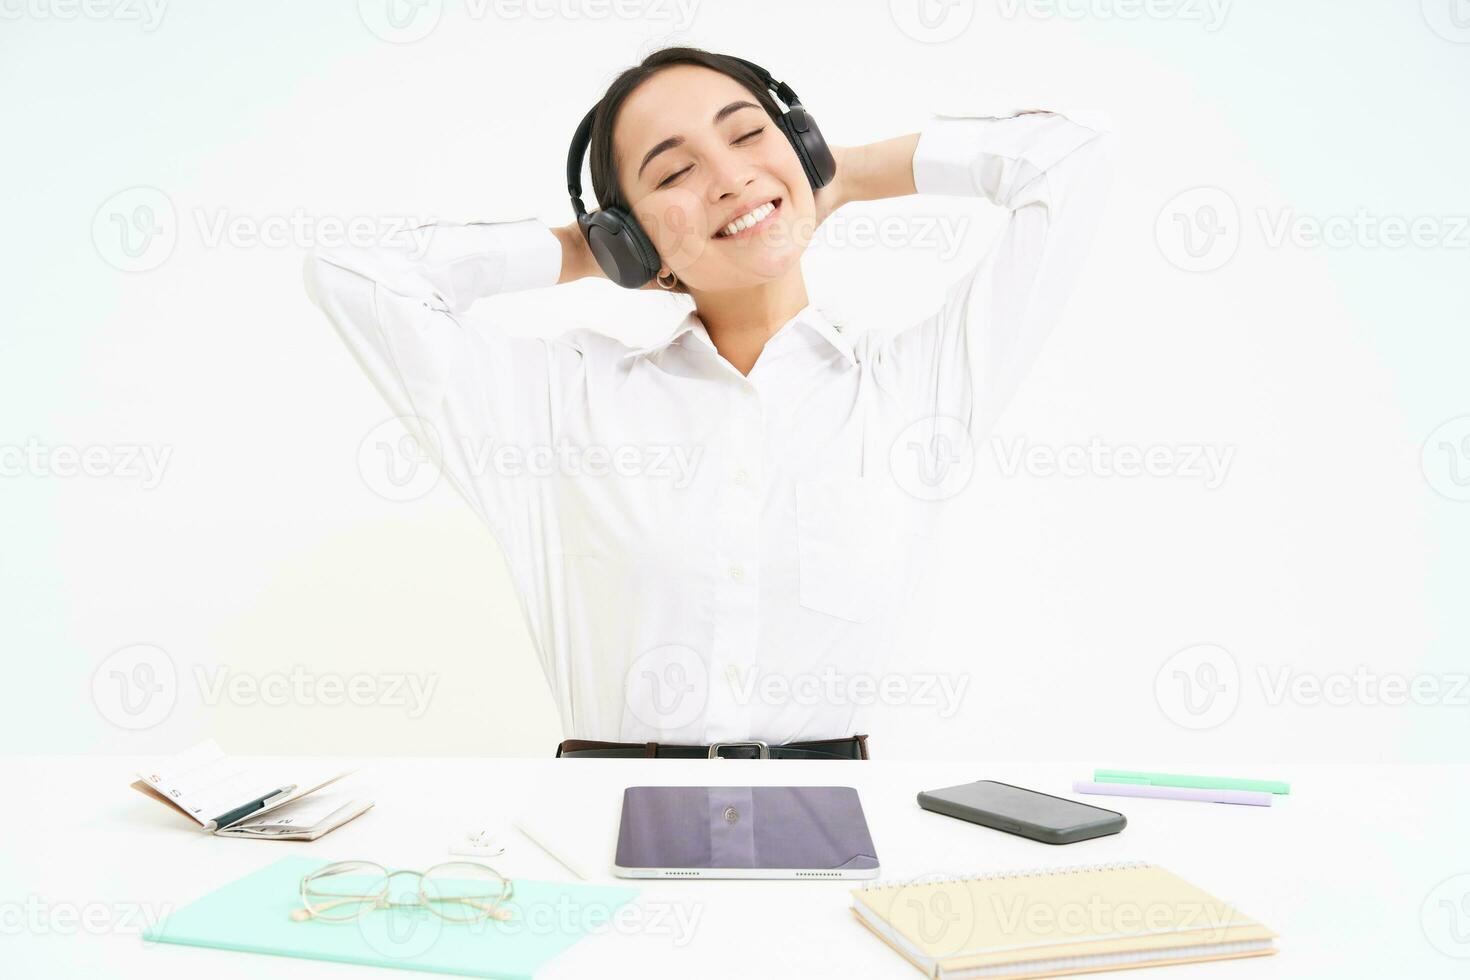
(739, 140)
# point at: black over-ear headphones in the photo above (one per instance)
(622, 248)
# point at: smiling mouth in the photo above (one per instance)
(753, 227)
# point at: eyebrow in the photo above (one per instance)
(674, 141)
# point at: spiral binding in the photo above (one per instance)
(881, 885)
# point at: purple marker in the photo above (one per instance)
(1242, 796)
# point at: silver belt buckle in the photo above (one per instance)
(765, 750)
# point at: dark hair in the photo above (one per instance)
(600, 143)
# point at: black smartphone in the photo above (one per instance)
(1024, 812)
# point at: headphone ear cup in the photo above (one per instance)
(810, 146)
(622, 250)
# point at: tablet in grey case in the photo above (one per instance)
(744, 832)
(1024, 812)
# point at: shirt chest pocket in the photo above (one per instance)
(839, 532)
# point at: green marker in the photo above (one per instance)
(1193, 782)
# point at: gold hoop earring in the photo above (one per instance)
(668, 285)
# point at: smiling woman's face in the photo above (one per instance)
(695, 152)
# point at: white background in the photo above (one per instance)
(1332, 548)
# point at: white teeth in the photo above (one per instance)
(746, 220)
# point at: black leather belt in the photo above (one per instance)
(852, 747)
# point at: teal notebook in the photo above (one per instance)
(253, 915)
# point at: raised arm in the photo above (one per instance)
(1051, 171)
(461, 386)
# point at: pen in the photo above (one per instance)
(1174, 793)
(245, 810)
(1192, 782)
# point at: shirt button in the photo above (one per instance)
(736, 572)
(741, 478)
(732, 674)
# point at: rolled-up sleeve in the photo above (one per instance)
(1051, 171)
(460, 385)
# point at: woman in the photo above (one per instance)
(715, 537)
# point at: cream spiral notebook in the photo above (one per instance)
(1052, 922)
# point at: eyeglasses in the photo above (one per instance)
(457, 891)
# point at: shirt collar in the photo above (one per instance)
(811, 318)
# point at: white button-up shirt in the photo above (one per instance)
(703, 555)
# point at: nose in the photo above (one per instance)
(729, 176)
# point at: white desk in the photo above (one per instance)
(1342, 868)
